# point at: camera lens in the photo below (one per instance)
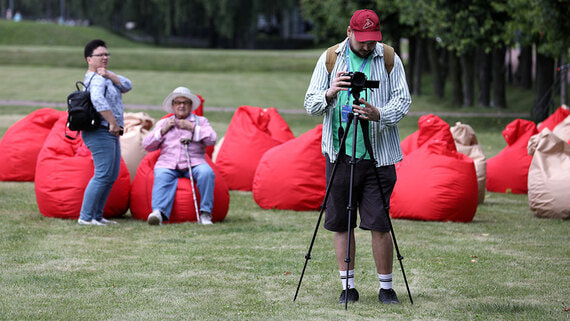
(359, 80)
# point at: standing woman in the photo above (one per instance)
(106, 90)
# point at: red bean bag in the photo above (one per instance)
(508, 170)
(278, 127)
(430, 127)
(291, 176)
(183, 208)
(63, 171)
(435, 184)
(557, 117)
(251, 132)
(22, 142)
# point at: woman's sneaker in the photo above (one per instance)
(92, 222)
(83, 222)
(106, 221)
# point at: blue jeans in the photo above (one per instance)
(166, 182)
(106, 150)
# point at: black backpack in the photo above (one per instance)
(81, 115)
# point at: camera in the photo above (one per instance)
(358, 81)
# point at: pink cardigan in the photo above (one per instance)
(172, 154)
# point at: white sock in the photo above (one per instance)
(385, 281)
(350, 279)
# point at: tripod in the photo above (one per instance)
(353, 119)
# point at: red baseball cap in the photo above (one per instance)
(366, 26)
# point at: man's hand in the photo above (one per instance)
(367, 112)
(339, 83)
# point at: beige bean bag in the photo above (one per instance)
(562, 130)
(137, 126)
(467, 144)
(549, 175)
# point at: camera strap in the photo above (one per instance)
(341, 130)
(347, 59)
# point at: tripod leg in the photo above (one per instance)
(323, 207)
(350, 208)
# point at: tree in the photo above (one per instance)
(329, 17)
(466, 27)
(545, 24)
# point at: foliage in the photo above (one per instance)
(231, 20)
(464, 27)
(459, 26)
(329, 17)
(541, 22)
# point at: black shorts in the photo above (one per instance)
(366, 195)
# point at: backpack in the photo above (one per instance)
(81, 115)
(388, 57)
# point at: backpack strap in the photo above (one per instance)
(330, 60)
(388, 58)
(331, 56)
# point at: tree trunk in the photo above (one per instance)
(213, 39)
(444, 55)
(410, 68)
(499, 94)
(484, 76)
(418, 67)
(456, 87)
(563, 81)
(468, 72)
(436, 73)
(396, 44)
(523, 76)
(544, 81)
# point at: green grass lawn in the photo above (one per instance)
(505, 265)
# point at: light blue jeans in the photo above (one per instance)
(166, 182)
(106, 150)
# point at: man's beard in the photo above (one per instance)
(356, 52)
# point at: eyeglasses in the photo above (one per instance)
(102, 55)
(181, 102)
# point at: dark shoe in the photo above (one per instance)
(352, 296)
(388, 296)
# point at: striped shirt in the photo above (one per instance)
(392, 100)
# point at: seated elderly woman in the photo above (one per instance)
(175, 136)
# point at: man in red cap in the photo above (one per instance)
(329, 94)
